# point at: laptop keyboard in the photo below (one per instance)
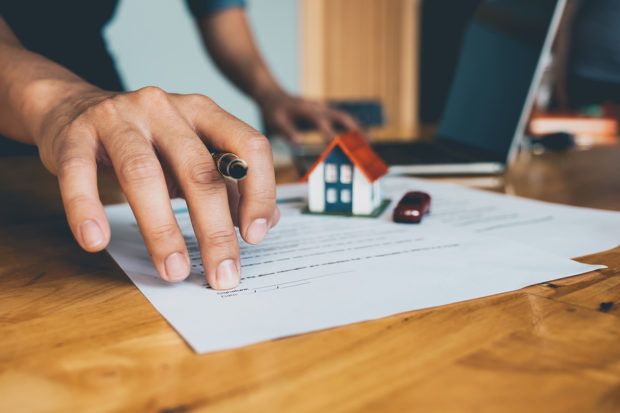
(413, 153)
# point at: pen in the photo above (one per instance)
(230, 165)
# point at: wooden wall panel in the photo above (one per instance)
(364, 49)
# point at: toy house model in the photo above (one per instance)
(346, 178)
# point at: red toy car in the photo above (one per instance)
(412, 207)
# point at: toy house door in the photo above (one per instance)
(338, 182)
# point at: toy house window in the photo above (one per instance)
(331, 173)
(345, 196)
(332, 196)
(345, 174)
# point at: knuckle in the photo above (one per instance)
(162, 232)
(257, 143)
(77, 202)
(138, 168)
(223, 238)
(153, 92)
(108, 107)
(205, 175)
(153, 95)
(264, 196)
(197, 99)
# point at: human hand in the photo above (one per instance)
(280, 111)
(155, 141)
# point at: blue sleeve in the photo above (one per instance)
(202, 8)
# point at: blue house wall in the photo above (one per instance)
(338, 157)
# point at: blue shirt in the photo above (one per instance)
(202, 8)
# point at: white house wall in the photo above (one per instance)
(378, 196)
(316, 189)
(362, 194)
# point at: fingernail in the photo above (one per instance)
(91, 234)
(227, 275)
(257, 231)
(177, 268)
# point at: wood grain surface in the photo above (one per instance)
(76, 335)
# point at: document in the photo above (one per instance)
(316, 272)
(564, 230)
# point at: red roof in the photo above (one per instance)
(359, 151)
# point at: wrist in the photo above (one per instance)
(41, 99)
(267, 91)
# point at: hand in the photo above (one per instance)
(152, 138)
(280, 111)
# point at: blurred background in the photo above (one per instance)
(156, 42)
(372, 53)
(399, 53)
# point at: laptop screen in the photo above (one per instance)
(497, 65)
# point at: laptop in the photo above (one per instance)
(498, 71)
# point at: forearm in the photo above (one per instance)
(228, 38)
(30, 85)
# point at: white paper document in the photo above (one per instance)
(565, 230)
(316, 272)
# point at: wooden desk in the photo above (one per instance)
(76, 335)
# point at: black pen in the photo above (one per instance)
(230, 165)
